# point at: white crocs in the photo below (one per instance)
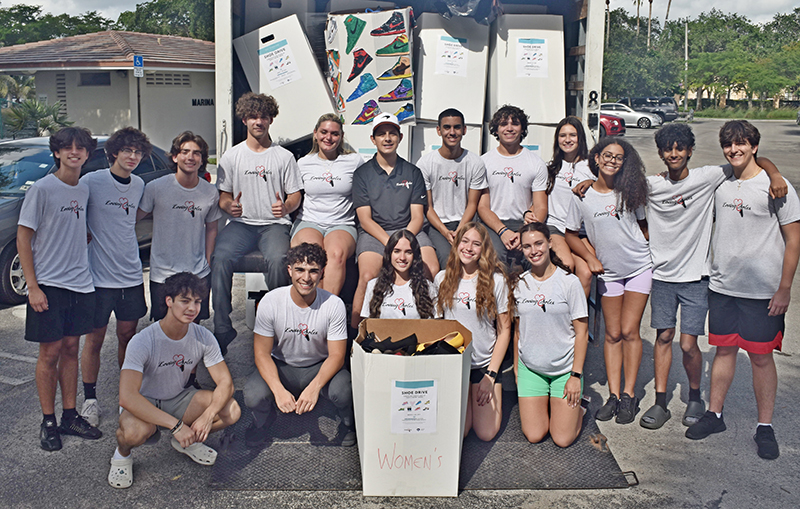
(121, 473)
(198, 451)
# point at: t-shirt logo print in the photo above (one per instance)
(304, 330)
(737, 204)
(463, 297)
(612, 211)
(568, 177)
(328, 178)
(74, 206)
(509, 173)
(123, 202)
(540, 301)
(404, 183)
(190, 207)
(679, 200)
(262, 172)
(178, 358)
(453, 177)
(400, 303)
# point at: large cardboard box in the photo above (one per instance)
(425, 139)
(539, 140)
(526, 66)
(277, 60)
(452, 58)
(410, 412)
(357, 137)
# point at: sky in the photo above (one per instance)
(758, 11)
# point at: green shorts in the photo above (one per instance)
(531, 384)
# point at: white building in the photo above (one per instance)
(93, 77)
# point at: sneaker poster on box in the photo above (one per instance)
(370, 64)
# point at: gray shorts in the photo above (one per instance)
(300, 225)
(693, 300)
(176, 406)
(368, 243)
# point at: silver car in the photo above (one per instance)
(631, 117)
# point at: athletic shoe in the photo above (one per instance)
(80, 428)
(336, 81)
(365, 84)
(368, 113)
(402, 92)
(401, 69)
(627, 409)
(330, 30)
(340, 104)
(395, 25)
(707, 425)
(49, 436)
(354, 28)
(360, 61)
(405, 112)
(397, 47)
(91, 411)
(333, 61)
(767, 445)
(608, 410)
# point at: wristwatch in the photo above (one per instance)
(576, 374)
(492, 375)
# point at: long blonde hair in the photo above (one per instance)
(330, 117)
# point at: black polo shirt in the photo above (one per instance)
(390, 195)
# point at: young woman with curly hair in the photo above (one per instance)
(613, 212)
(401, 289)
(473, 290)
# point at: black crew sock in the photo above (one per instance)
(68, 415)
(661, 399)
(694, 395)
(89, 390)
(49, 417)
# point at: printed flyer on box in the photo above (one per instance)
(279, 64)
(414, 406)
(451, 56)
(531, 58)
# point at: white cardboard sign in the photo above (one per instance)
(414, 406)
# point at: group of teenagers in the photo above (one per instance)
(517, 240)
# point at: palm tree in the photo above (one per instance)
(17, 88)
(638, 4)
(649, 23)
(36, 117)
(669, 4)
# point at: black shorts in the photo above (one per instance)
(68, 314)
(477, 374)
(734, 321)
(128, 304)
(158, 304)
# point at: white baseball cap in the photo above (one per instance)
(385, 118)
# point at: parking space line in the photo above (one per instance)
(15, 357)
(14, 381)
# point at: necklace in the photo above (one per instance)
(545, 277)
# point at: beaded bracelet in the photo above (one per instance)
(178, 426)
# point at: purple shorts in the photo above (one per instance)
(639, 284)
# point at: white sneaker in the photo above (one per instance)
(91, 412)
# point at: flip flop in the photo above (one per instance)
(198, 451)
(694, 411)
(121, 473)
(655, 417)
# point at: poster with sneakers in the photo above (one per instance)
(370, 64)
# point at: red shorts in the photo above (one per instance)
(734, 321)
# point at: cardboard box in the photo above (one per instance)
(540, 140)
(452, 59)
(526, 66)
(358, 138)
(424, 139)
(277, 60)
(416, 453)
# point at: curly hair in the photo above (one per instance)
(488, 266)
(554, 166)
(330, 117)
(252, 105)
(126, 137)
(185, 283)
(630, 183)
(674, 134)
(508, 111)
(177, 145)
(308, 253)
(67, 136)
(419, 285)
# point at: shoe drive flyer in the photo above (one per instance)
(451, 56)
(414, 406)
(279, 64)
(531, 58)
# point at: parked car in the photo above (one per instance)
(664, 107)
(632, 118)
(23, 162)
(611, 125)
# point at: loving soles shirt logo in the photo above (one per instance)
(611, 211)
(399, 304)
(123, 204)
(188, 206)
(507, 172)
(453, 177)
(738, 206)
(74, 208)
(178, 361)
(326, 177)
(677, 199)
(261, 171)
(539, 300)
(303, 330)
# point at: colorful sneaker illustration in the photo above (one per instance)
(340, 104)
(401, 69)
(365, 84)
(399, 46)
(404, 113)
(330, 30)
(355, 27)
(360, 61)
(395, 25)
(336, 81)
(402, 92)
(368, 113)
(333, 60)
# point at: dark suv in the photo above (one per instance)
(664, 107)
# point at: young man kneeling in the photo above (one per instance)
(157, 365)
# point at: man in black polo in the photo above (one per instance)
(388, 195)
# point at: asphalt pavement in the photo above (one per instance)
(720, 471)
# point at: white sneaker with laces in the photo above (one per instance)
(91, 412)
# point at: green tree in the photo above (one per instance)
(20, 24)
(187, 18)
(35, 116)
(17, 87)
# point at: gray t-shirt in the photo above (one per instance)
(484, 332)
(512, 181)
(747, 246)
(301, 335)
(546, 310)
(570, 175)
(328, 185)
(165, 364)
(56, 212)
(398, 303)
(111, 219)
(258, 176)
(450, 180)
(179, 226)
(679, 219)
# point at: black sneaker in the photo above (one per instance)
(626, 411)
(394, 25)
(767, 445)
(707, 425)
(49, 436)
(349, 439)
(80, 428)
(360, 61)
(608, 410)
